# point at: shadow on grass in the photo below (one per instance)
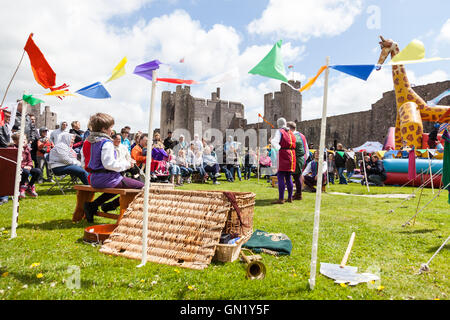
(54, 225)
(421, 231)
(265, 202)
(31, 279)
(434, 249)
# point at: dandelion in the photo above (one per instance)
(34, 265)
(39, 275)
(142, 280)
(343, 285)
(176, 270)
(5, 274)
(380, 288)
(191, 287)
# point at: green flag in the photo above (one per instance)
(31, 100)
(341, 153)
(272, 65)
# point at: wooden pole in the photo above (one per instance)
(365, 173)
(12, 78)
(258, 143)
(15, 214)
(312, 279)
(347, 252)
(147, 174)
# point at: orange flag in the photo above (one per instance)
(312, 80)
(42, 71)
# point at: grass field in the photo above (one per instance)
(37, 264)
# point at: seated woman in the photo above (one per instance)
(27, 183)
(210, 165)
(186, 172)
(265, 165)
(104, 166)
(63, 159)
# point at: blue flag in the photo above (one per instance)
(362, 71)
(95, 90)
(439, 98)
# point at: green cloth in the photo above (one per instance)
(31, 100)
(272, 65)
(341, 153)
(278, 243)
(299, 153)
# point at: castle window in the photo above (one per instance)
(208, 119)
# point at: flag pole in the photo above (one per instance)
(312, 279)
(258, 152)
(15, 214)
(148, 162)
(12, 78)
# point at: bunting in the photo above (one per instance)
(271, 66)
(145, 69)
(311, 81)
(95, 91)
(118, 71)
(32, 101)
(362, 71)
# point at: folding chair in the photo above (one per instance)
(59, 179)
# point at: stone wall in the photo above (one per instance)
(45, 119)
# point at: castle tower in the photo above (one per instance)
(286, 103)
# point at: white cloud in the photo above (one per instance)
(444, 35)
(82, 46)
(303, 19)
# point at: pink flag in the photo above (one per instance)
(182, 60)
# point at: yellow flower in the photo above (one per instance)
(5, 274)
(34, 265)
(39, 275)
(295, 274)
(176, 270)
(380, 288)
(343, 285)
(142, 280)
(437, 299)
(191, 287)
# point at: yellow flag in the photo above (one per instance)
(415, 50)
(59, 93)
(119, 70)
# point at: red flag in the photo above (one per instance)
(42, 71)
(2, 118)
(290, 66)
(177, 81)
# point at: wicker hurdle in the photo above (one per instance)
(184, 226)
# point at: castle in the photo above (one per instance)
(45, 119)
(179, 110)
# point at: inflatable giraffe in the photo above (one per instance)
(411, 108)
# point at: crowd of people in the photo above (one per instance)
(104, 158)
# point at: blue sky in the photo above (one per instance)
(83, 40)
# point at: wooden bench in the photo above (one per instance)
(86, 193)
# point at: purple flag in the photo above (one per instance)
(145, 69)
(412, 164)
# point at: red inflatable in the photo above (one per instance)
(396, 178)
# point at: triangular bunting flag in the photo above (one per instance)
(359, 71)
(95, 91)
(31, 100)
(271, 65)
(145, 69)
(415, 50)
(118, 71)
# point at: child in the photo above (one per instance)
(331, 168)
(102, 163)
(27, 184)
(175, 170)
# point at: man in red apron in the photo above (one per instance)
(284, 141)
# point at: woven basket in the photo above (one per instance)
(184, 226)
(230, 252)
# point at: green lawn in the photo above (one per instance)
(47, 237)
